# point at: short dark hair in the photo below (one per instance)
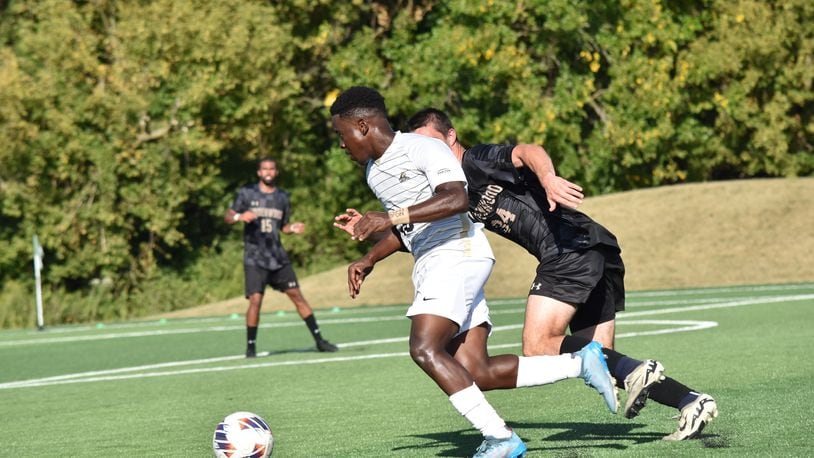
(359, 101)
(266, 159)
(430, 116)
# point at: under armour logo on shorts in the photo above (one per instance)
(536, 286)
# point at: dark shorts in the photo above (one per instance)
(257, 278)
(592, 280)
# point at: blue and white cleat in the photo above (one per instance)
(596, 374)
(512, 447)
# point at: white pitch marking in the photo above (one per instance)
(162, 332)
(35, 383)
(729, 289)
(688, 326)
(695, 308)
(110, 375)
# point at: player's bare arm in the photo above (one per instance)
(232, 217)
(346, 221)
(449, 199)
(558, 190)
(294, 228)
(361, 268)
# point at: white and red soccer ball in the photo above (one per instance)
(243, 435)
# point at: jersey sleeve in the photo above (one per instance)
(494, 161)
(437, 162)
(241, 202)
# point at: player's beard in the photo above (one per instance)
(269, 181)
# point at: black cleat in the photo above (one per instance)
(251, 352)
(325, 346)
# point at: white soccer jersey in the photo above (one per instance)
(407, 174)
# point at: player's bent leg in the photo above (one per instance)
(307, 314)
(303, 309)
(604, 333)
(511, 371)
(429, 337)
(545, 324)
(489, 372)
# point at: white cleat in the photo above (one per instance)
(638, 383)
(694, 416)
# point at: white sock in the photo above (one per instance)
(472, 404)
(541, 370)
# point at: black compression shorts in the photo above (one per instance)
(257, 278)
(592, 280)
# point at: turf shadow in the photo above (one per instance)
(464, 442)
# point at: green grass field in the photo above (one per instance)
(159, 388)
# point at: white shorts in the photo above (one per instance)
(452, 287)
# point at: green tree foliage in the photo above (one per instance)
(126, 127)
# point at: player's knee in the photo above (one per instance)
(423, 353)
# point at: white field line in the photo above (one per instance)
(729, 289)
(108, 375)
(738, 303)
(363, 309)
(705, 305)
(35, 383)
(161, 332)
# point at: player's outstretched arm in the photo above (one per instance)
(347, 221)
(449, 199)
(361, 268)
(232, 217)
(558, 190)
(294, 228)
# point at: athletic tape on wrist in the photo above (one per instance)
(399, 216)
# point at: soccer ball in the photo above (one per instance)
(243, 434)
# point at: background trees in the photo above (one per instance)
(126, 126)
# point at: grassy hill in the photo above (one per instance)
(693, 235)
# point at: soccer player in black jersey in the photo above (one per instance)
(264, 209)
(514, 191)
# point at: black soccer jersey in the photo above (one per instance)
(261, 237)
(513, 203)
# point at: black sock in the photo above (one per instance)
(619, 365)
(251, 336)
(670, 393)
(692, 396)
(573, 344)
(311, 322)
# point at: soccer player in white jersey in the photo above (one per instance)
(422, 186)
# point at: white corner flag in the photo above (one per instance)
(38, 254)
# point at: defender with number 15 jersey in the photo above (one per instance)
(261, 237)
